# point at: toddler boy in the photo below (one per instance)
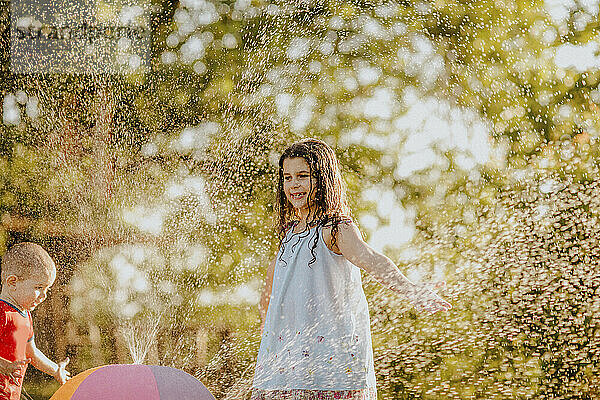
(27, 274)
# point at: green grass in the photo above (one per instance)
(39, 390)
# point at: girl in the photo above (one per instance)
(316, 339)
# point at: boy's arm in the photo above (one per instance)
(266, 294)
(354, 249)
(44, 364)
(12, 369)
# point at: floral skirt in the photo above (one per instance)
(303, 394)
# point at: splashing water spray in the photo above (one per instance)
(140, 336)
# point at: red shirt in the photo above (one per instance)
(16, 330)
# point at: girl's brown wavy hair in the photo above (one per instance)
(330, 206)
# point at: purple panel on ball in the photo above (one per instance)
(174, 384)
(118, 382)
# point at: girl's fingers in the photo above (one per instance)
(435, 286)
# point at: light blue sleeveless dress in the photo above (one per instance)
(317, 331)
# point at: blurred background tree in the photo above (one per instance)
(154, 189)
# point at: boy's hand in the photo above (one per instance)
(62, 375)
(14, 370)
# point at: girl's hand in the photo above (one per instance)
(62, 375)
(427, 300)
(14, 370)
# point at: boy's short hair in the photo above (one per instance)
(24, 259)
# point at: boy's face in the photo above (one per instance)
(31, 291)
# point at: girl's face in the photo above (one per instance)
(297, 183)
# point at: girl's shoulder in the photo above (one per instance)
(331, 230)
(331, 222)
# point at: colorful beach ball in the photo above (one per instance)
(133, 382)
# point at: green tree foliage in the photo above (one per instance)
(170, 172)
(542, 280)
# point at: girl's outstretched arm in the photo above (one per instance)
(266, 294)
(352, 246)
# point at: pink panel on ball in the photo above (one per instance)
(174, 384)
(119, 382)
